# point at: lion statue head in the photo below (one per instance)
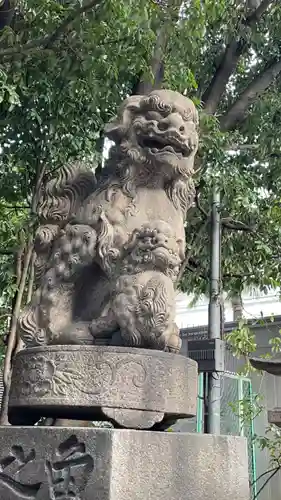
(158, 131)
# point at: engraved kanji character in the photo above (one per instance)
(10, 467)
(69, 475)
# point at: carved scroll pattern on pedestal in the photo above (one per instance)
(42, 377)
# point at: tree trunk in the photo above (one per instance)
(12, 342)
(168, 15)
(145, 84)
(25, 278)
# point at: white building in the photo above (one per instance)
(255, 305)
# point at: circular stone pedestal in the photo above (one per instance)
(134, 388)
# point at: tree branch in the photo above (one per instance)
(255, 16)
(236, 275)
(47, 41)
(145, 84)
(264, 474)
(39, 44)
(7, 11)
(266, 482)
(12, 335)
(236, 225)
(188, 255)
(198, 204)
(230, 58)
(21, 49)
(169, 14)
(13, 207)
(14, 342)
(214, 92)
(238, 111)
(242, 147)
(194, 270)
(8, 251)
(227, 222)
(69, 20)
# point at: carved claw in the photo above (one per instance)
(105, 326)
(77, 333)
(174, 344)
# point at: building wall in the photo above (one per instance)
(269, 387)
(255, 305)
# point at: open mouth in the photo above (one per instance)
(156, 145)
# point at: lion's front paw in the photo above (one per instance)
(174, 344)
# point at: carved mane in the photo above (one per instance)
(60, 199)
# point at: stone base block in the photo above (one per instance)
(48, 463)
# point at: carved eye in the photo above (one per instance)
(50, 281)
(87, 237)
(57, 256)
(74, 259)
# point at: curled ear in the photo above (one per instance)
(118, 127)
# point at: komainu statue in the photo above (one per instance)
(109, 249)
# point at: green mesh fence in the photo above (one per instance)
(233, 390)
(229, 394)
(248, 432)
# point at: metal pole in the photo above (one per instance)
(214, 390)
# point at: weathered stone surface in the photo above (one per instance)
(133, 419)
(79, 381)
(43, 463)
(109, 253)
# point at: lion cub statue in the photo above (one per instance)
(109, 250)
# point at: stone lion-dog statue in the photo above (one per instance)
(109, 250)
